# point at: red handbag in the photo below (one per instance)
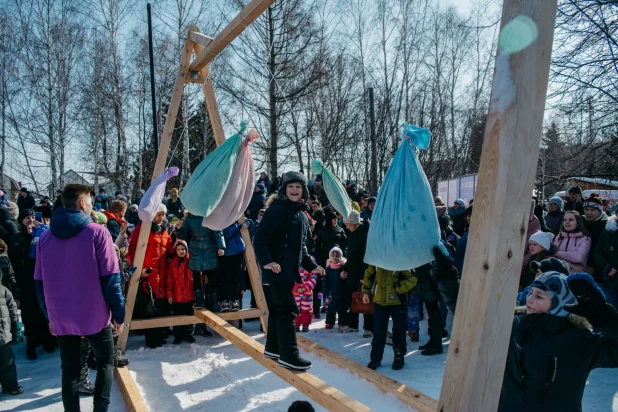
(358, 306)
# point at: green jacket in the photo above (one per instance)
(389, 285)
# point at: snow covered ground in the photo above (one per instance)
(212, 373)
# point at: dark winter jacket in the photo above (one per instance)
(527, 274)
(8, 316)
(334, 286)
(549, 360)
(595, 229)
(175, 207)
(133, 217)
(319, 218)
(353, 193)
(234, 244)
(460, 252)
(257, 202)
(426, 286)
(571, 205)
(113, 224)
(203, 243)
(458, 220)
(606, 251)
(8, 226)
(281, 238)
(355, 266)
(366, 214)
(328, 238)
(24, 203)
(553, 221)
(57, 203)
(102, 200)
(8, 275)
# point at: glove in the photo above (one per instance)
(17, 330)
(591, 302)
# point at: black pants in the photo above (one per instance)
(281, 337)
(183, 331)
(102, 344)
(154, 336)
(330, 318)
(8, 371)
(399, 313)
(229, 273)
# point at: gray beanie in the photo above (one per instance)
(12, 209)
(353, 219)
(557, 201)
(556, 287)
(293, 177)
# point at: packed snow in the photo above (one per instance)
(213, 373)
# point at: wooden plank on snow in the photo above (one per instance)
(131, 395)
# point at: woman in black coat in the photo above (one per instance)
(35, 324)
(552, 349)
(355, 269)
(280, 249)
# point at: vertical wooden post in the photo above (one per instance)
(215, 120)
(483, 320)
(164, 147)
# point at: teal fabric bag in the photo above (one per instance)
(404, 227)
(334, 189)
(205, 188)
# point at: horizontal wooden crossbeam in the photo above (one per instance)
(167, 321)
(324, 394)
(409, 396)
(131, 395)
(200, 38)
(247, 16)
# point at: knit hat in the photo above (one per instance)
(102, 219)
(260, 186)
(353, 219)
(542, 238)
(575, 189)
(551, 265)
(24, 214)
(594, 202)
(134, 206)
(181, 242)
(293, 177)
(162, 208)
(11, 208)
(23, 190)
(336, 249)
(438, 199)
(557, 201)
(329, 214)
(460, 202)
(556, 287)
(371, 200)
(141, 191)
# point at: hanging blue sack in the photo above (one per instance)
(207, 184)
(404, 227)
(334, 189)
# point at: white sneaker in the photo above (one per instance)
(347, 329)
(367, 334)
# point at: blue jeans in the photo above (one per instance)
(413, 311)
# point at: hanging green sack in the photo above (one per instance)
(205, 188)
(334, 189)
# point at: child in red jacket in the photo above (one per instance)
(179, 291)
(303, 294)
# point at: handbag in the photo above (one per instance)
(358, 306)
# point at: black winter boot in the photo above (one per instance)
(434, 346)
(399, 361)
(85, 387)
(31, 345)
(373, 364)
(296, 363)
(119, 360)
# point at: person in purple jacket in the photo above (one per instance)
(78, 286)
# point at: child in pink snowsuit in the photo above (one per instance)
(303, 294)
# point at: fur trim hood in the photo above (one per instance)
(612, 224)
(577, 321)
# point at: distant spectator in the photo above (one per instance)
(575, 202)
(25, 200)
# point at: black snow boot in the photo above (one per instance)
(296, 363)
(119, 360)
(373, 364)
(85, 387)
(399, 361)
(31, 345)
(434, 346)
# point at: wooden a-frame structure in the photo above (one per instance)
(481, 331)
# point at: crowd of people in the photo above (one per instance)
(312, 263)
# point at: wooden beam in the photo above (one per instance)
(314, 388)
(246, 16)
(483, 320)
(196, 37)
(241, 314)
(217, 126)
(131, 395)
(165, 321)
(164, 147)
(415, 399)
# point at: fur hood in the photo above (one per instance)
(612, 224)
(270, 200)
(577, 321)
